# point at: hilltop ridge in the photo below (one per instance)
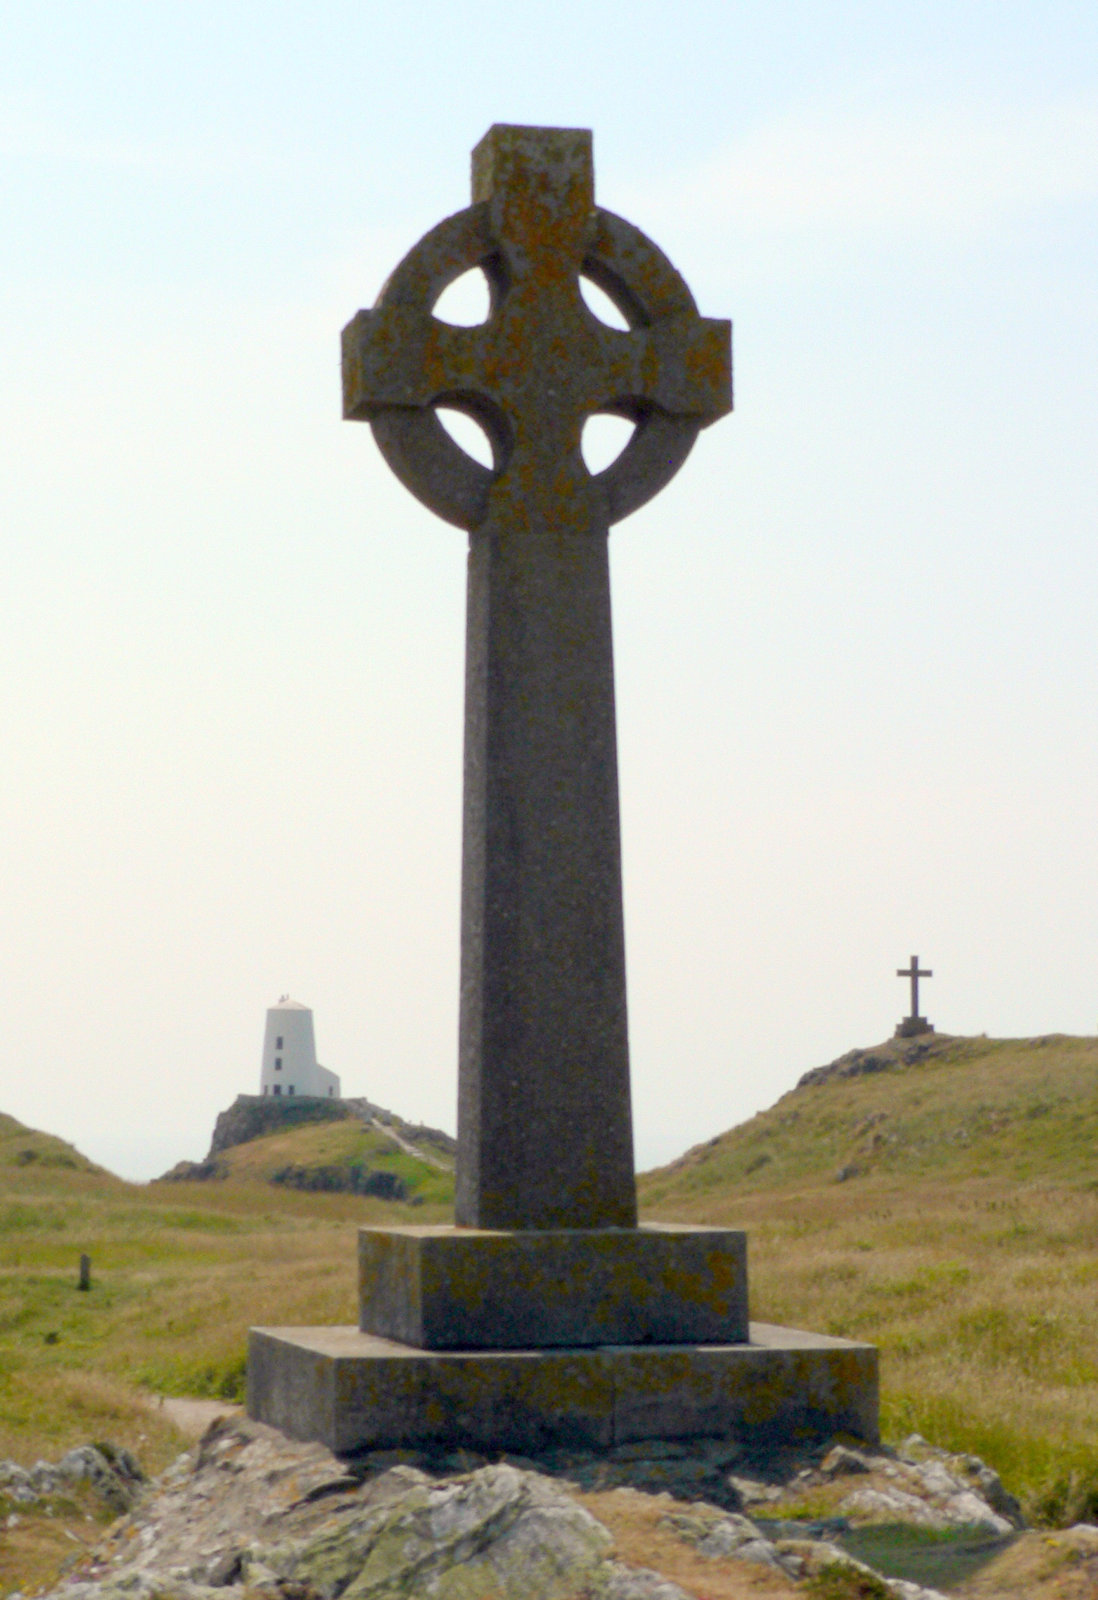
(39, 1152)
(936, 1105)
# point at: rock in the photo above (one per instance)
(114, 1476)
(969, 1509)
(227, 1569)
(990, 1486)
(110, 1471)
(43, 1478)
(892, 1505)
(719, 1452)
(251, 1115)
(753, 1490)
(250, 1515)
(936, 1479)
(638, 1583)
(729, 1538)
(840, 1460)
(497, 1529)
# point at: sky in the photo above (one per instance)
(855, 638)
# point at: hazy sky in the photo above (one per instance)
(855, 640)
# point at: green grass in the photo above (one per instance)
(179, 1273)
(339, 1147)
(965, 1246)
(1010, 1108)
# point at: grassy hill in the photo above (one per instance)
(937, 1196)
(180, 1270)
(26, 1148)
(926, 1108)
(940, 1198)
(333, 1156)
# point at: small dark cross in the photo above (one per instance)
(544, 1128)
(914, 972)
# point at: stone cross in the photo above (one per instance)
(914, 972)
(544, 1122)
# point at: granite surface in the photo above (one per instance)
(462, 1288)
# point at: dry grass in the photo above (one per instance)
(966, 1247)
(644, 1539)
(179, 1273)
(975, 1274)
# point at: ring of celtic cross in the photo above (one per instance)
(539, 366)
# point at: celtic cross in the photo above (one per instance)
(544, 1129)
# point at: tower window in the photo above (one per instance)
(277, 1088)
(290, 1090)
(278, 1042)
(278, 1063)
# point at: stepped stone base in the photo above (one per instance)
(353, 1391)
(443, 1288)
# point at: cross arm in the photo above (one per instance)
(398, 354)
(677, 360)
(394, 356)
(682, 364)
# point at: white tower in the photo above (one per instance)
(289, 1055)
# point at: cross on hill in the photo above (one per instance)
(914, 1023)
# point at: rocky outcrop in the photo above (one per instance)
(252, 1115)
(355, 1179)
(110, 1472)
(250, 1515)
(891, 1056)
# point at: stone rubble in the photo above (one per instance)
(250, 1515)
(113, 1474)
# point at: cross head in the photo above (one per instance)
(542, 363)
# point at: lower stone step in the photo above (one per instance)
(354, 1391)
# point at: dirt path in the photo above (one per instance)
(193, 1417)
(411, 1149)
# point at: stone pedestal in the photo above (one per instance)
(353, 1391)
(521, 1341)
(910, 1026)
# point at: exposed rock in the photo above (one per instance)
(356, 1179)
(109, 1470)
(840, 1461)
(250, 1515)
(195, 1172)
(638, 1583)
(735, 1537)
(252, 1115)
(892, 1056)
(495, 1529)
(250, 1511)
